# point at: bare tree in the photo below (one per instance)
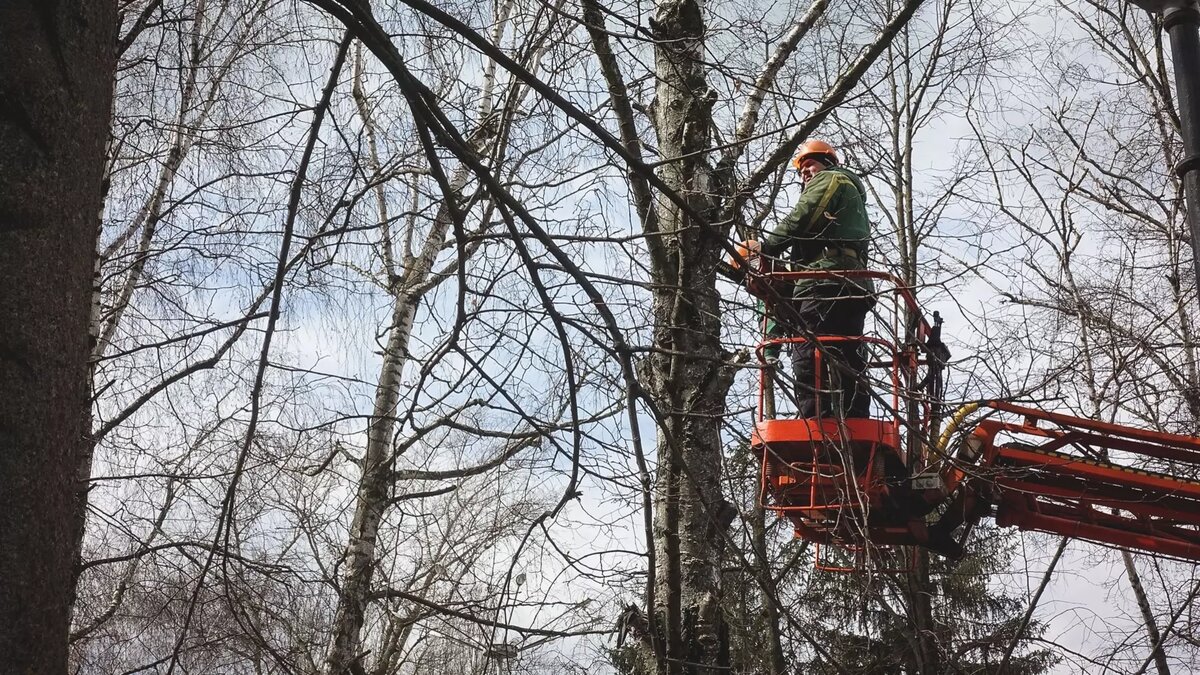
(688, 373)
(376, 347)
(434, 431)
(1102, 260)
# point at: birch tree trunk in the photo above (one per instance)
(687, 372)
(373, 492)
(408, 287)
(1152, 634)
(56, 87)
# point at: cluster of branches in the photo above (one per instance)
(384, 297)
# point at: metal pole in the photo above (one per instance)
(1182, 23)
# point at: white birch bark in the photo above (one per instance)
(373, 491)
(1157, 651)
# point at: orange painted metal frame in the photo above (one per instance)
(1058, 479)
(804, 461)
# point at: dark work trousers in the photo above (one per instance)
(843, 390)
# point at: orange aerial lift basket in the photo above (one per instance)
(897, 479)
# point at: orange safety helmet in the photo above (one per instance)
(812, 148)
(749, 250)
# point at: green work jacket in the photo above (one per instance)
(831, 216)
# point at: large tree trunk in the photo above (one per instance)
(686, 372)
(55, 101)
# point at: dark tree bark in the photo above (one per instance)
(56, 71)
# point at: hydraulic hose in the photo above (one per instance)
(952, 426)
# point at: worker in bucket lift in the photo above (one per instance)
(826, 231)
